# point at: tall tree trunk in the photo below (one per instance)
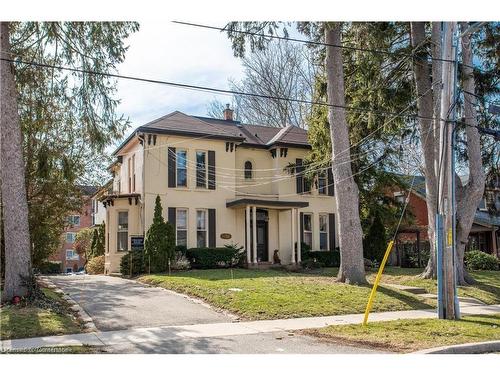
(14, 203)
(470, 195)
(427, 105)
(346, 191)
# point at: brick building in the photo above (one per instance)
(68, 258)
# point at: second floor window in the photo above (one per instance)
(70, 237)
(74, 220)
(181, 226)
(201, 169)
(181, 167)
(122, 233)
(308, 229)
(482, 205)
(322, 188)
(71, 255)
(248, 170)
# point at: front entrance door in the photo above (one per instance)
(262, 236)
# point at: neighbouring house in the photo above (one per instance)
(220, 182)
(98, 208)
(67, 257)
(485, 231)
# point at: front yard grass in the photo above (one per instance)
(409, 335)
(487, 288)
(275, 294)
(29, 321)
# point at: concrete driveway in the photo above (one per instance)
(115, 303)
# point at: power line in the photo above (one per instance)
(316, 43)
(211, 89)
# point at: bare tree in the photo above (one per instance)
(430, 112)
(14, 202)
(282, 70)
(346, 191)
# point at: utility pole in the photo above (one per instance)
(447, 301)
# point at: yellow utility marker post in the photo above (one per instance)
(377, 280)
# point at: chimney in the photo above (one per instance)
(228, 113)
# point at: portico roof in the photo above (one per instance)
(242, 202)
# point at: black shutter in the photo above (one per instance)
(331, 188)
(331, 230)
(171, 167)
(211, 227)
(301, 227)
(171, 216)
(298, 176)
(211, 170)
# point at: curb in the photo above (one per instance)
(469, 348)
(82, 315)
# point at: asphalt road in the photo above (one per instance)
(114, 303)
(263, 343)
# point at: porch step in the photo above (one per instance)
(406, 288)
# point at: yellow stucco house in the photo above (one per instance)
(220, 182)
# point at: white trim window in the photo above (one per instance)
(201, 169)
(70, 237)
(181, 167)
(73, 220)
(323, 232)
(308, 226)
(72, 255)
(181, 223)
(201, 228)
(122, 232)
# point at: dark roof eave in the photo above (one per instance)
(188, 134)
(266, 203)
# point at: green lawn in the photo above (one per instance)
(77, 349)
(273, 294)
(21, 322)
(486, 290)
(416, 334)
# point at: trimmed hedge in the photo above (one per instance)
(478, 260)
(324, 258)
(95, 266)
(49, 267)
(138, 265)
(218, 257)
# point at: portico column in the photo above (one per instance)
(248, 239)
(292, 217)
(254, 233)
(298, 236)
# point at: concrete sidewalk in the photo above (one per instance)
(151, 335)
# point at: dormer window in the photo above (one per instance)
(248, 170)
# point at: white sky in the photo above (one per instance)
(171, 52)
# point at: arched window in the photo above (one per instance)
(248, 170)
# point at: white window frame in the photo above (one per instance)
(73, 235)
(310, 232)
(118, 230)
(198, 230)
(327, 232)
(177, 151)
(71, 220)
(177, 228)
(205, 186)
(74, 255)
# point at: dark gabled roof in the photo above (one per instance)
(87, 189)
(178, 123)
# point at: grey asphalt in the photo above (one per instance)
(261, 343)
(115, 304)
